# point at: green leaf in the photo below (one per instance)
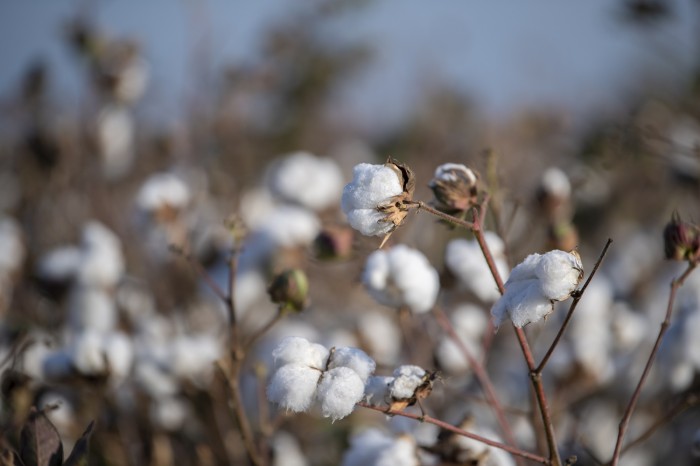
(79, 455)
(40, 444)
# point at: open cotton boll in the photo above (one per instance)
(102, 262)
(115, 140)
(365, 447)
(355, 359)
(406, 379)
(193, 357)
(163, 190)
(120, 354)
(289, 226)
(401, 452)
(534, 284)
(303, 178)
(401, 276)
(286, 450)
(87, 353)
(297, 350)
(60, 264)
(372, 186)
(339, 390)
(466, 261)
(382, 337)
(293, 387)
(470, 323)
(91, 309)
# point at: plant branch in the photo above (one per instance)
(458, 431)
(420, 205)
(481, 375)
(624, 423)
(577, 297)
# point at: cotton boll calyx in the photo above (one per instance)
(373, 200)
(302, 178)
(455, 187)
(401, 276)
(535, 284)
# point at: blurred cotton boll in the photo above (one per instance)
(466, 261)
(286, 450)
(102, 261)
(470, 323)
(98, 354)
(381, 336)
(305, 179)
(289, 226)
(193, 357)
(401, 276)
(115, 141)
(163, 194)
(59, 265)
(170, 413)
(91, 309)
(374, 447)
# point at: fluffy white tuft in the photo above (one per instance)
(340, 389)
(293, 386)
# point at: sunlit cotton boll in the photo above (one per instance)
(466, 261)
(297, 350)
(91, 309)
(339, 390)
(406, 380)
(286, 450)
(355, 359)
(372, 186)
(162, 191)
(293, 387)
(535, 284)
(305, 179)
(102, 261)
(381, 336)
(193, 357)
(115, 140)
(289, 226)
(401, 276)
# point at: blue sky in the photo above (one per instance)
(507, 55)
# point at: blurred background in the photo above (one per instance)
(133, 134)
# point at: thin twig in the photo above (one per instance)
(264, 329)
(481, 375)
(577, 297)
(624, 423)
(458, 431)
(687, 402)
(231, 306)
(420, 205)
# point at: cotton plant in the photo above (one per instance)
(163, 195)
(306, 372)
(307, 180)
(535, 285)
(466, 261)
(401, 277)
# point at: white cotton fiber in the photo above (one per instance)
(293, 387)
(339, 390)
(355, 359)
(298, 350)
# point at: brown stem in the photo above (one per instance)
(458, 431)
(624, 423)
(577, 297)
(481, 375)
(420, 205)
(687, 402)
(231, 306)
(264, 329)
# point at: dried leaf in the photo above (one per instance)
(79, 455)
(40, 444)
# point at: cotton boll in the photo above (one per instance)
(365, 447)
(102, 262)
(115, 140)
(313, 182)
(256, 205)
(555, 183)
(59, 265)
(402, 452)
(381, 336)
(88, 354)
(170, 413)
(406, 380)
(401, 276)
(466, 261)
(91, 309)
(297, 350)
(339, 390)
(193, 357)
(119, 353)
(293, 387)
(163, 190)
(523, 302)
(153, 379)
(372, 186)
(286, 451)
(470, 323)
(559, 273)
(377, 389)
(355, 359)
(629, 328)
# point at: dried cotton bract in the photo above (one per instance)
(373, 200)
(535, 284)
(401, 276)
